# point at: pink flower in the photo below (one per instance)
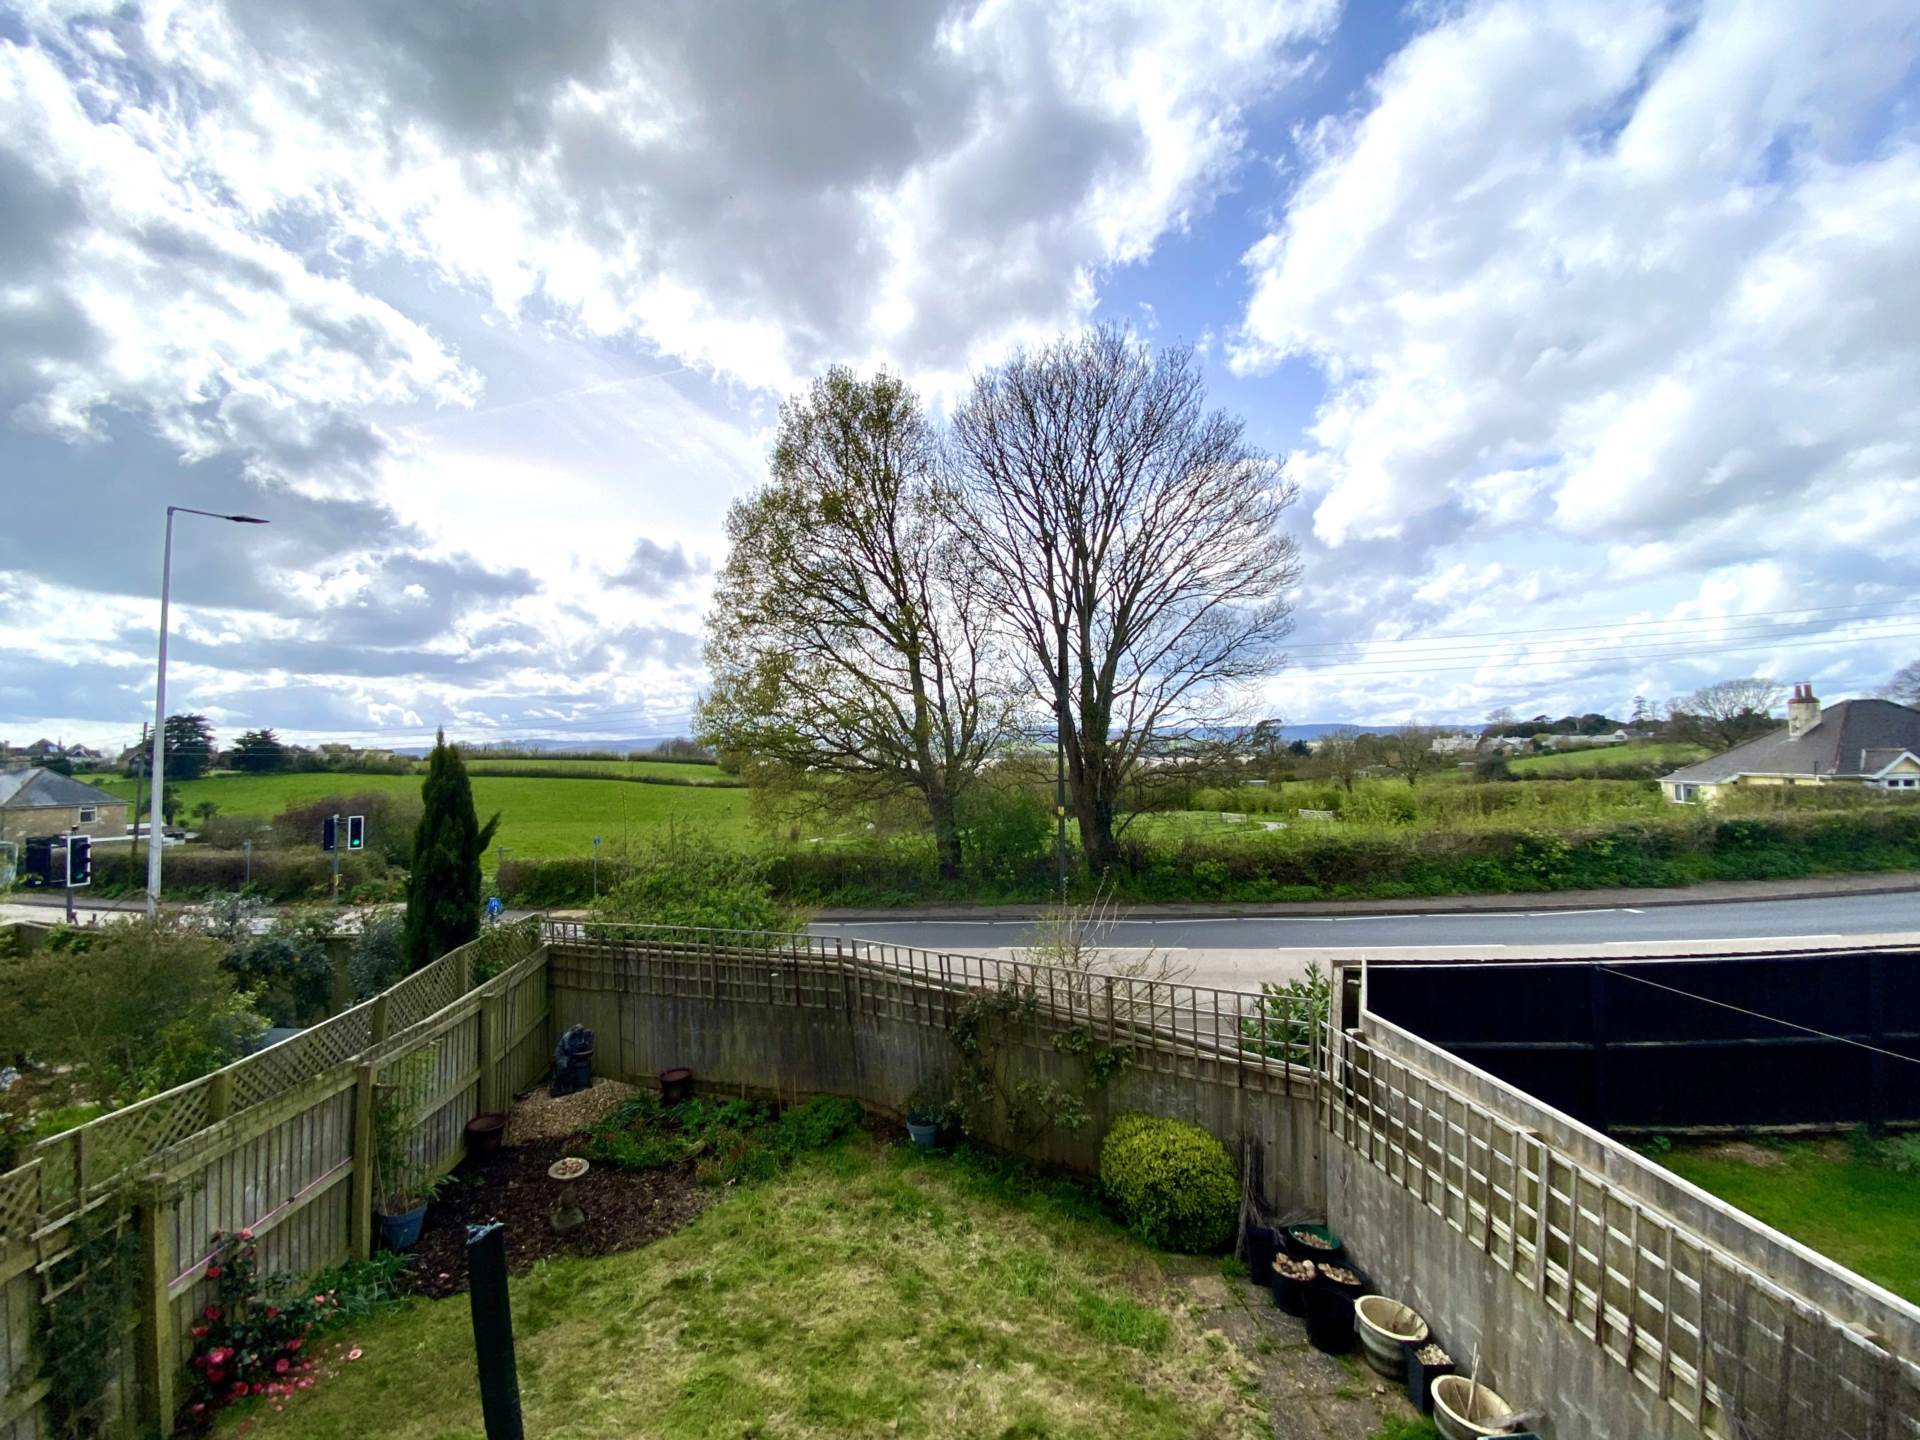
(215, 1375)
(213, 1272)
(354, 1353)
(212, 1312)
(246, 1234)
(218, 1355)
(296, 1342)
(280, 1366)
(272, 1311)
(239, 1389)
(199, 1332)
(305, 1383)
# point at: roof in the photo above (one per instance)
(38, 789)
(1851, 738)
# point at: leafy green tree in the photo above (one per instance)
(259, 752)
(189, 746)
(127, 1009)
(847, 642)
(443, 887)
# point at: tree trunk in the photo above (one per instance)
(1095, 813)
(946, 835)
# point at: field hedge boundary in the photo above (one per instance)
(1688, 849)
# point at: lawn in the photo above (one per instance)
(542, 819)
(685, 773)
(1824, 1193)
(869, 1291)
(1607, 757)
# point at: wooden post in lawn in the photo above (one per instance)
(153, 1357)
(361, 1201)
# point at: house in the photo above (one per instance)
(34, 801)
(1875, 743)
(1455, 744)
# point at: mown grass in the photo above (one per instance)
(1826, 1194)
(1607, 757)
(539, 818)
(671, 771)
(870, 1291)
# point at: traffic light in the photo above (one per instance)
(356, 832)
(36, 862)
(330, 833)
(79, 860)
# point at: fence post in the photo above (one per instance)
(361, 1201)
(219, 1096)
(377, 1020)
(153, 1357)
(492, 1042)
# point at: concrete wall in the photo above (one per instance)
(790, 1051)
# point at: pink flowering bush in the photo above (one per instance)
(246, 1342)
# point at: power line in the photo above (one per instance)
(1757, 1015)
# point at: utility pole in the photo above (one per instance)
(67, 871)
(336, 859)
(139, 774)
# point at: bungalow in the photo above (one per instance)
(43, 802)
(1874, 743)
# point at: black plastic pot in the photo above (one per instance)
(1420, 1377)
(1261, 1243)
(1329, 1316)
(676, 1086)
(484, 1133)
(1288, 1293)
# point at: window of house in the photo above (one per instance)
(88, 814)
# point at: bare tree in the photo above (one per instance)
(1131, 540)
(848, 639)
(1904, 687)
(1342, 755)
(1408, 751)
(1726, 713)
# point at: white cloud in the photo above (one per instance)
(1634, 281)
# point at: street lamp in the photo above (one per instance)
(158, 776)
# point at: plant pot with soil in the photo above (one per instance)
(1312, 1242)
(1426, 1363)
(404, 1183)
(1329, 1306)
(1385, 1328)
(1290, 1280)
(928, 1108)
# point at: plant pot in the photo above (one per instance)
(1385, 1328)
(1420, 1377)
(1294, 1239)
(925, 1134)
(399, 1232)
(1329, 1317)
(484, 1133)
(1290, 1290)
(1262, 1245)
(676, 1086)
(1464, 1411)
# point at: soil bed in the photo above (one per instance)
(624, 1210)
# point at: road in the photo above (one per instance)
(1813, 921)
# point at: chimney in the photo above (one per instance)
(1803, 711)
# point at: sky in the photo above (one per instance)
(1590, 332)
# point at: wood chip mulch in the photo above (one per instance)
(624, 1210)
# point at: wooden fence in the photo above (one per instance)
(279, 1143)
(1734, 1353)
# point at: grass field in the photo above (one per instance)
(669, 770)
(1607, 757)
(1824, 1194)
(871, 1291)
(539, 819)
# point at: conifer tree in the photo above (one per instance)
(443, 888)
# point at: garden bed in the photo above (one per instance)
(624, 1211)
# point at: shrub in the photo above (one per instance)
(1173, 1183)
(248, 1342)
(391, 821)
(192, 871)
(289, 966)
(682, 876)
(377, 960)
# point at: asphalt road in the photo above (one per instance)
(1813, 920)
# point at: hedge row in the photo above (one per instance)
(1684, 850)
(275, 876)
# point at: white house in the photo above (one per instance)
(1875, 743)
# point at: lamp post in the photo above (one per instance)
(155, 839)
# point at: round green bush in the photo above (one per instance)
(1173, 1182)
